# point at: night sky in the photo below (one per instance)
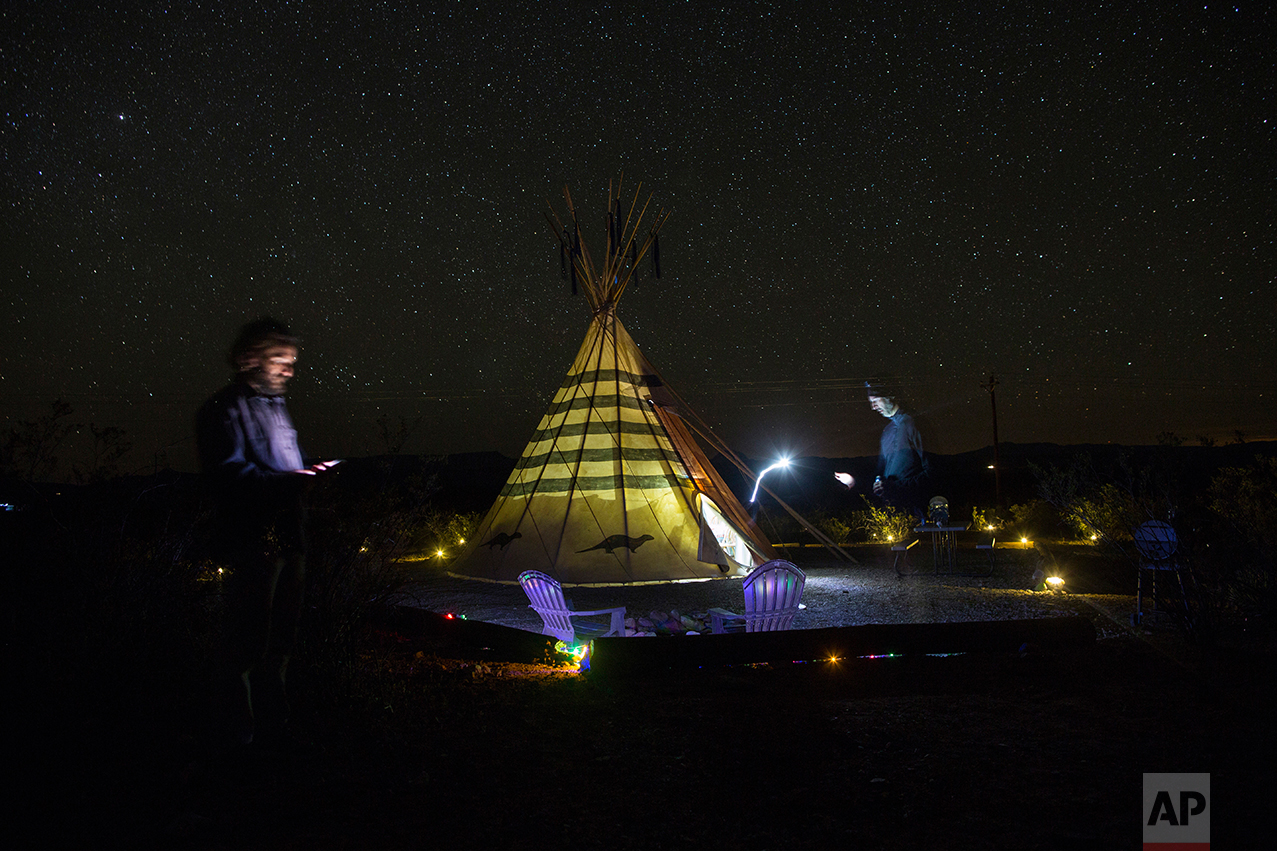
(1078, 200)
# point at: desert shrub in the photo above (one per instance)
(1246, 499)
(817, 526)
(984, 519)
(1227, 531)
(29, 450)
(1251, 591)
(361, 537)
(882, 523)
(107, 447)
(837, 528)
(1243, 501)
(779, 527)
(115, 602)
(1036, 519)
(1103, 505)
(1106, 512)
(437, 531)
(108, 603)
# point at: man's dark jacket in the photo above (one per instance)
(254, 496)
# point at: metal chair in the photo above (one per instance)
(1157, 547)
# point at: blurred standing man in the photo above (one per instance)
(254, 468)
(902, 465)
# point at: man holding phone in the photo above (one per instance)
(256, 473)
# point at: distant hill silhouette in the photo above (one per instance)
(466, 482)
(469, 482)
(967, 479)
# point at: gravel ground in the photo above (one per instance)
(836, 594)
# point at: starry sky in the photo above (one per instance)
(1077, 198)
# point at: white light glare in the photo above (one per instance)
(783, 462)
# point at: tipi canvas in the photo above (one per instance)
(612, 487)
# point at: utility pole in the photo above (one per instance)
(997, 465)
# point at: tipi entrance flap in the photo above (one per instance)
(710, 483)
(722, 544)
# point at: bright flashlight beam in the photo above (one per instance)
(783, 462)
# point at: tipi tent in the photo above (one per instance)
(612, 487)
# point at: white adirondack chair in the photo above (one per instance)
(546, 596)
(772, 595)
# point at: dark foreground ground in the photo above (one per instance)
(1040, 749)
